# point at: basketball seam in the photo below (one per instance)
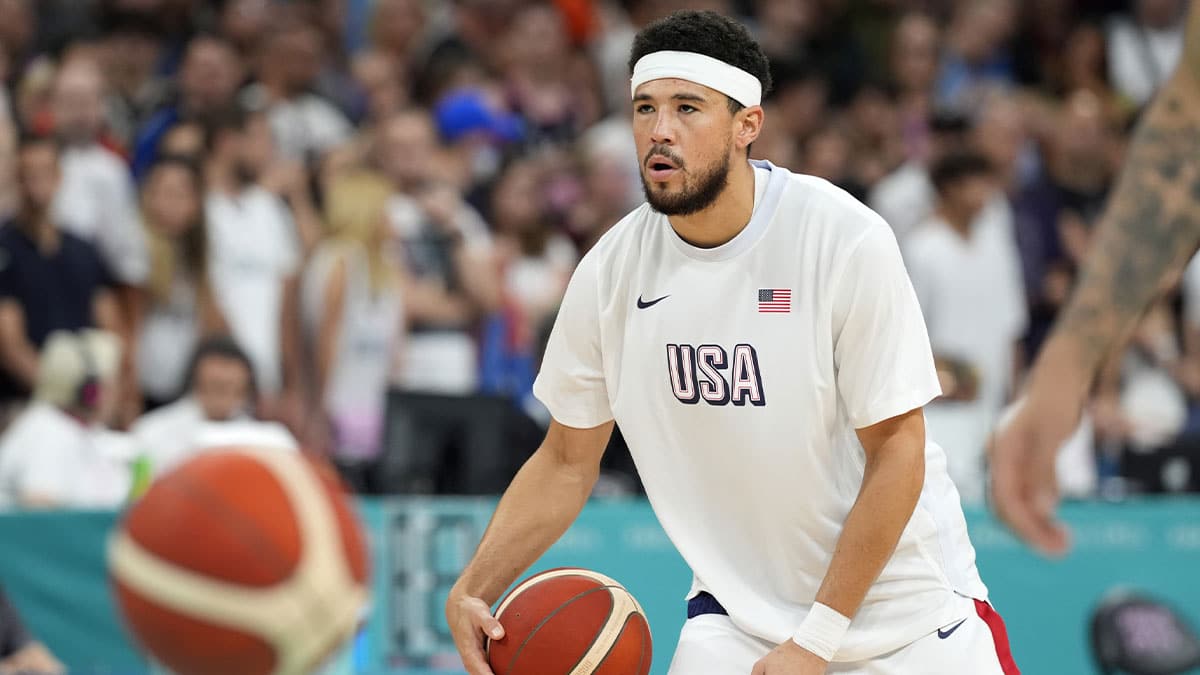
(620, 633)
(547, 618)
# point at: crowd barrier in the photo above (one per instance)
(52, 566)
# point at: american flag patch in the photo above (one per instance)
(774, 300)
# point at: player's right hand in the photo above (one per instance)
(1023, 451)
(470, 620)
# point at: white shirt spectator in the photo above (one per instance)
(905, 198)
(368, 337)
(252, 240)
(307, 125)
(97, 201)
(177, 432)
(972, 295)
(1140, 58)
(167, 339)
(443, 361)
(48, 455)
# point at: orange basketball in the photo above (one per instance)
(242, 561)
(571, 622)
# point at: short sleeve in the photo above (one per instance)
(571, 380)
(881, 347)
(9, 287)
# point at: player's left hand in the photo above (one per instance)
(790, 658)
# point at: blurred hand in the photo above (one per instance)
(442, 203)
(32, 658)
(790, 658)
(470, 620)
(1023, 450)
(286, 179)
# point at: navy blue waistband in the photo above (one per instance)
(704, 603)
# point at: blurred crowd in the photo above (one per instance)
(279, 220)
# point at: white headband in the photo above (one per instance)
(734, 82)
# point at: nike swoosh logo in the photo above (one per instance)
(943, 634)
(642, 304)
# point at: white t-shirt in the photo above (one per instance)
(904, 198)
(1141, 59)
(972, 295)
(307, 124)
(97, 201)
(253, 242)
(169, 333)
(50, 455)
(177, 432)
(738, 375)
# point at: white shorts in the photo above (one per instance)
(711, 645)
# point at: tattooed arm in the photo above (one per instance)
(1149, 230)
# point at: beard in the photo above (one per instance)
(693, 197)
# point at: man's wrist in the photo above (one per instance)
(822, 631)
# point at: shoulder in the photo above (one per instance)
(822, 209)
(167, 418)
(77, 247)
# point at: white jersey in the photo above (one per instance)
(738, 375)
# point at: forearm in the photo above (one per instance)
(543, 500)
(289, 334)
(890, 490)
(477, 276)
(1148, 231)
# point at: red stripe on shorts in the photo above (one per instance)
(999, 636)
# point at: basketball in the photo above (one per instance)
(571, 622)
(241, 561)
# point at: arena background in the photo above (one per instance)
(502, 127)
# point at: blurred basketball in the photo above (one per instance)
(241, 561)
(571, 622)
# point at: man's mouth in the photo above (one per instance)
(660, 168)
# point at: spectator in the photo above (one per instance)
(208, 80)
(966, 274)
(179, 307)
(1054, 212)
(398, 33)
(58, 453)
(96, 199)
(218, 408)
(51, 279)
(1144, 48)
(914, 66)
(975, 60)
(352, 314)
(19, 651)
(536, 259)
(906, 197)
(254, 251)
(132, 55)
(450, 253)
(305, 126)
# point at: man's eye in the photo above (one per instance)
(645, 108)
(685, 108)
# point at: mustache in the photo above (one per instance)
(665, 152)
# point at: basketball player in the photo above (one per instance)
(755, 335)
(1149, 230)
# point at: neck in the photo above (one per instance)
(37, 226)
(958, 221)
(726, 216)
(220, 177)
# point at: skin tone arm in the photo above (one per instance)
(1149, 230)
(891, 487)
(541, 503)
(17, 353)
(329, 332)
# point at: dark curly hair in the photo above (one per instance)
(706, 33)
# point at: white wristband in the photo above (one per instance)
(822, 631)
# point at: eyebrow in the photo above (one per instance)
(675, 97)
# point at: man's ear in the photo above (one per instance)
(748, 123)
